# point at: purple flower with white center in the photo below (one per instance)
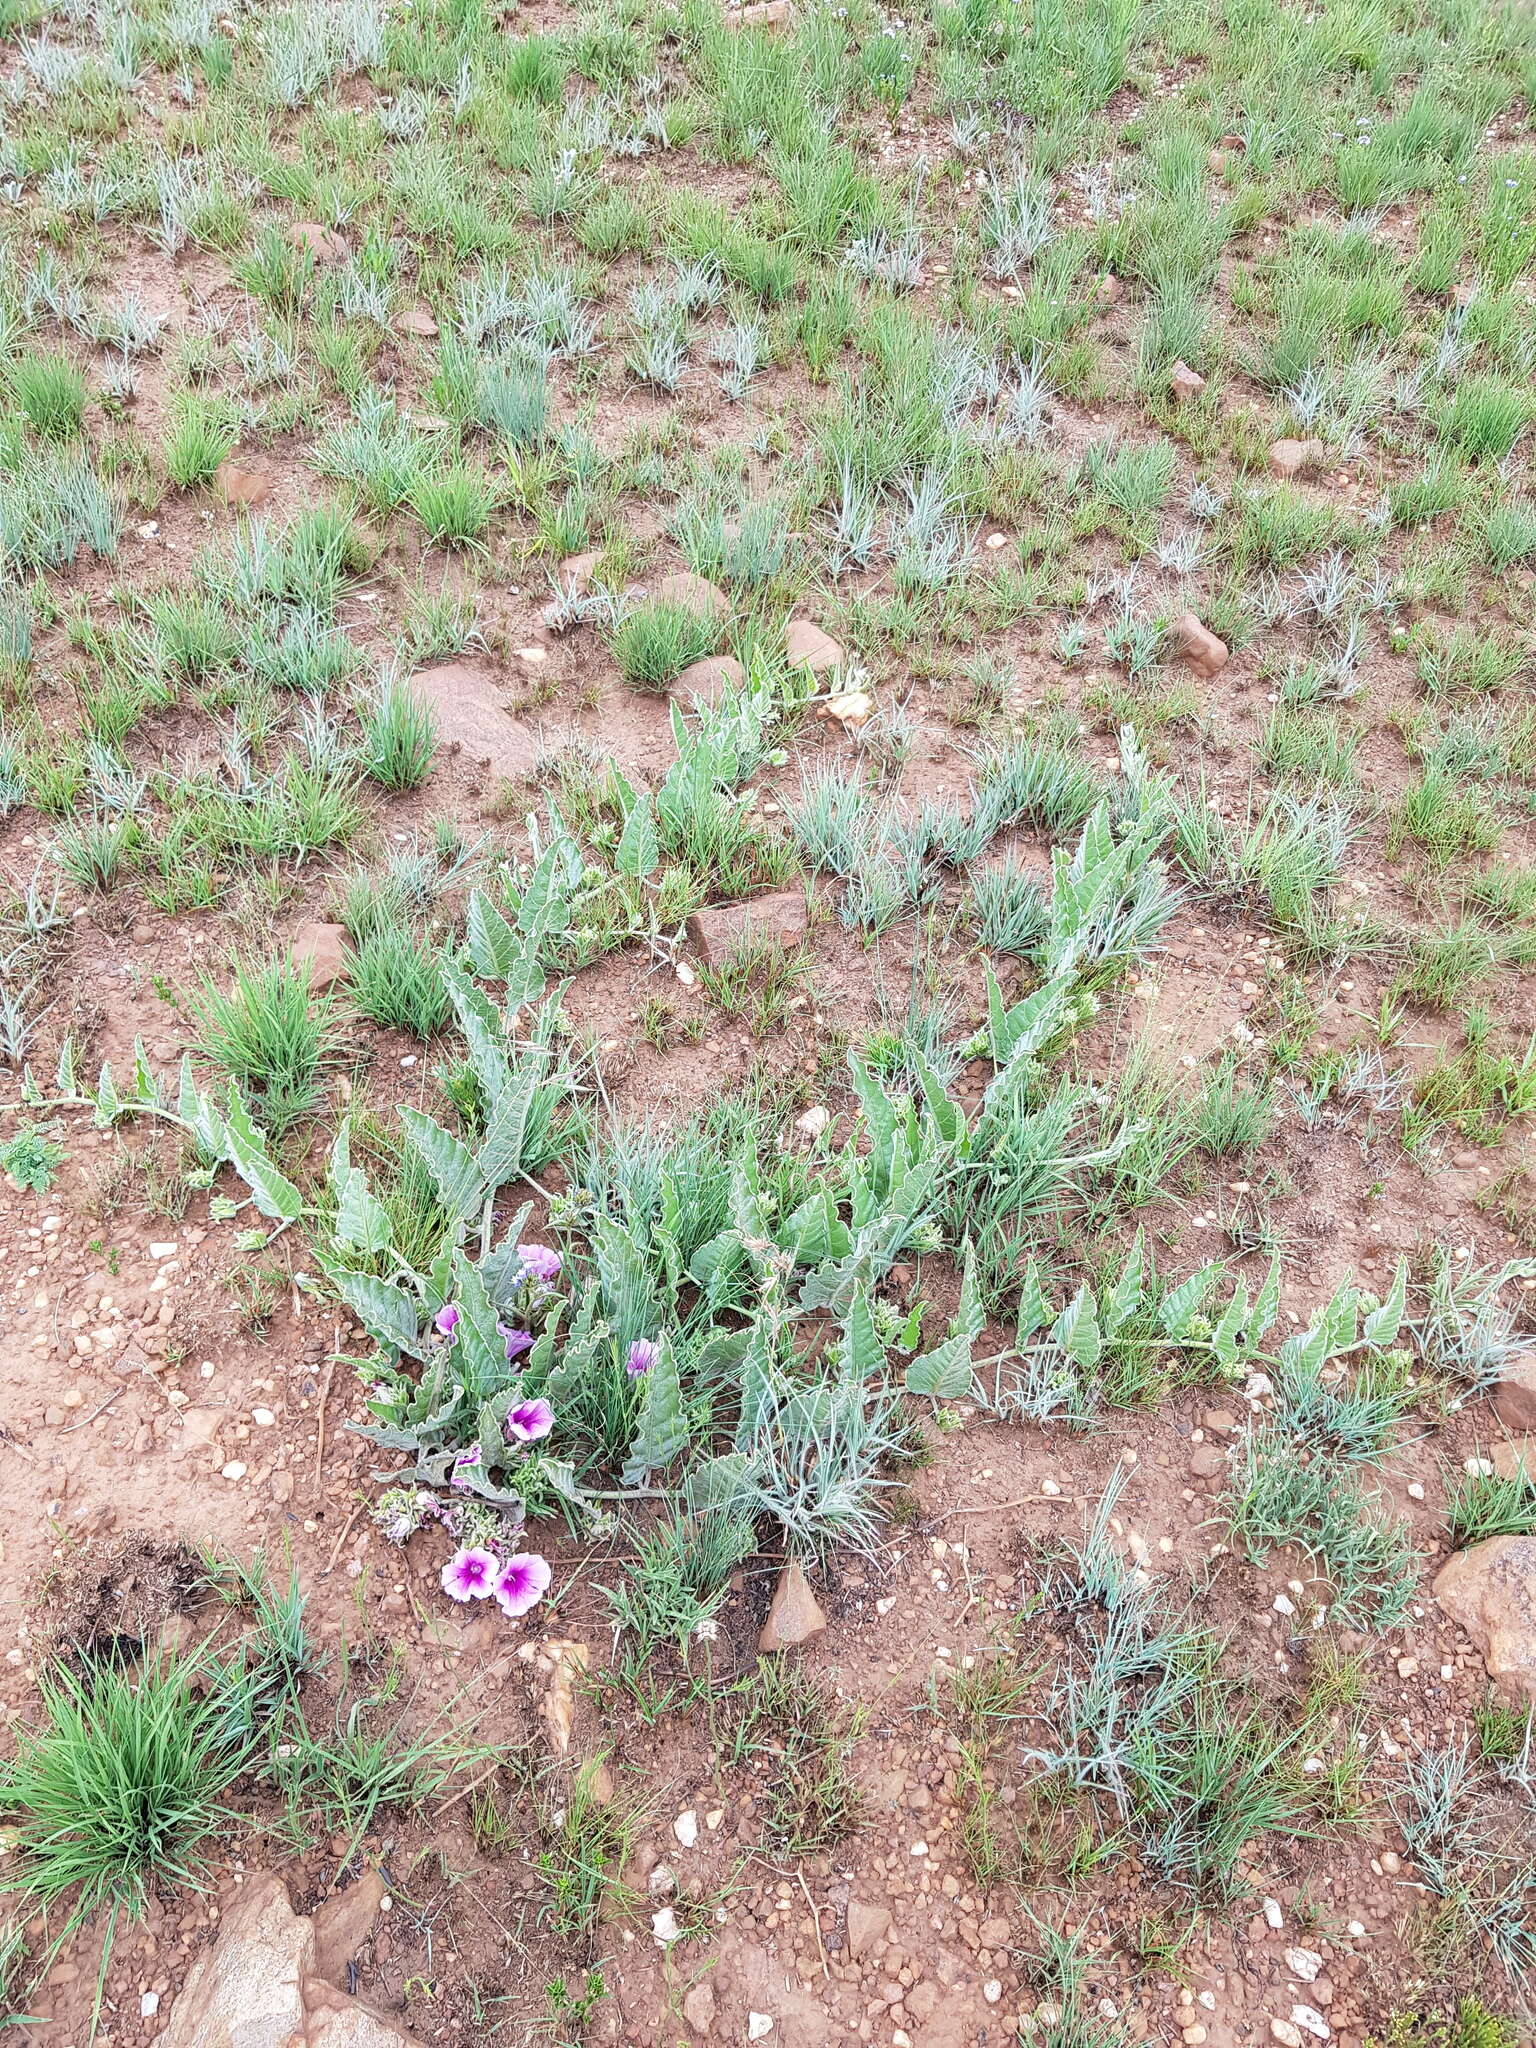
(539, 1262)
(528, 1421)
(643, 1354)
(521, 1583)
(446, 1321)
(464, 1465)
(517, 1341)
(471, 1575)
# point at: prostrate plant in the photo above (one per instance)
(1288, 1488)
(1140, 1717)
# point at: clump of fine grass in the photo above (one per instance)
(659, 640)
(121, 1786)
(271, 1035)
(49, 392)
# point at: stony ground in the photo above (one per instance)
(429, 430)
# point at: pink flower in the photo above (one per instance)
(518, 1341)
(539, 1261)
(446, 1321)
(528, 1421)
(521, 1583)
(470, 1575)
(643, 1354)
(464, 1464)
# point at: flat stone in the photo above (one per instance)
(1289, 458)
(1207, 1461)
(415, 320)
(1185, 383)
(1515, 1458)
(697, 593)
(1514, 1398)
(343, 1923)
(241, 483)
(575, 573)
(706, 681)
(699, 2007)
(322, 948)
(336, 2021)
(247, 1990)
(323, 243)
(1490, 1591)
(1199, 646)
(867, 1924)
(720, 929)
(807, 646)
(472, 716)
(795, 1614)
(759, 14)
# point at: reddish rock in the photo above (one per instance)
(1199, 646)
(758, 14)
(696, 592)
(576, 572)
(1490, 1591)
(867, 1924)
(322, 949)
(1289, 458)
(1515, 1458)
(699, 2006)
(1514, 1398)
(416, 320)
(241, 483)
(474, 719)
(795, 1614)
(323, 243)
(720, 929)
(807, 646)
(708, 680)
(1185, 383)
(343, 1922)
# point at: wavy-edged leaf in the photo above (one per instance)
(494, 947)
(460, 1183)
(1076, 1331)
(272, 1191)
(639, 850)
(1382, 1324)
(1128, 1292)
(385, 1311)
(1181, 1305)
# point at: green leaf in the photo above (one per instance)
(862, 1355)
(386, 1312)
(1034, 1303)
(362, 1222)
(1179, 1307)
(272, 1192)
(1382, 1324)
(494, 947)
(639, 850)
(1023, 1030)
(1076, 1331)
(946, 1372)
(1266, 1307)
(1225, 1337)
(106, 1101)
(451, 1164)
(1128, 1292)
(661, 1432)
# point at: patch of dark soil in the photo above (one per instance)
(116, 1600)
